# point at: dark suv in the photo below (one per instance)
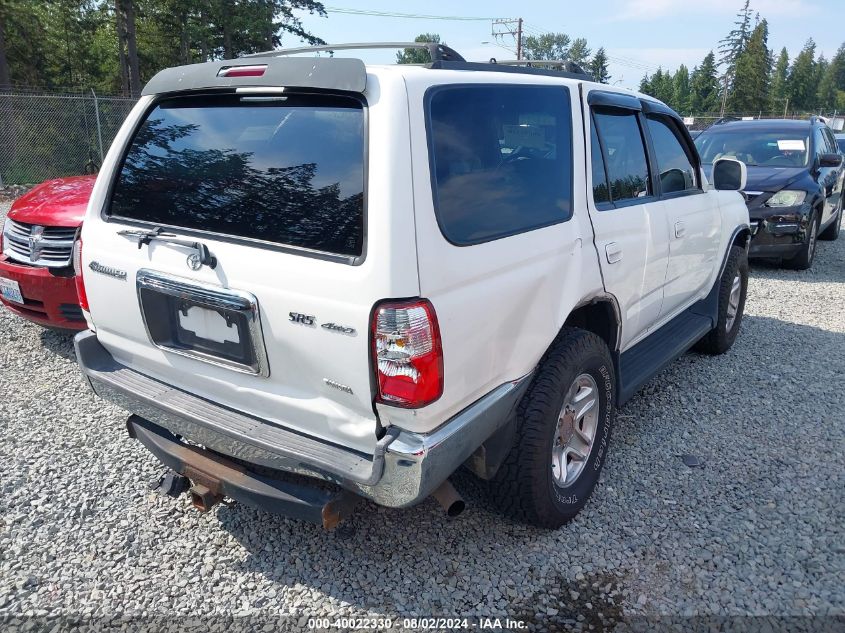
(794, 189)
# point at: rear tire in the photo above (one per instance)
(562, 441)
(733, 288)
(804, 259)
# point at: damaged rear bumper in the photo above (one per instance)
(404, 468)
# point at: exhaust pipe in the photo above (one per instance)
(203, 499)
(449, 499)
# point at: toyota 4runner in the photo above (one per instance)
(311, 280)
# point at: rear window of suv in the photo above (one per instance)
(501, 159)
(286, 170)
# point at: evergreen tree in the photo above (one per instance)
(802, 78)
(704, 86)
(681, 90)
(732, 46)
(598, 66)
(645, 85)
(751, 74)
(779, 89)
(417, 55)
(831, 94)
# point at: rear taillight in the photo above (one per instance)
(77, 275)
(407, 353)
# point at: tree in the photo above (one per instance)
(831, 93)
(417, 55)
(598, 66)
(802, 78)
(704, 86)
(779, 89)
(751, 72)
(732, 46)
(579, 52)
(681, 90)
(5, 77)
(546, 46)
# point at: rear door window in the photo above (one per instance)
(676, 169)
(500, 159)
(286, 170)
(627, 165)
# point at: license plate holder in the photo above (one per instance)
(10, 290)
(209, 323)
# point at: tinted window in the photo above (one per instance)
(769, 148)
(501, 159)
(831, 141)
(841, 143)
(676, 171)
(601, 192)
(820, 141)
(627, 167)
(288, 170)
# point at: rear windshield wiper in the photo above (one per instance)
(203, 256)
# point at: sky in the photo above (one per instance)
(638, 35)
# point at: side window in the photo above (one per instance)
(601, 192)
(820, 141)
(500, 158)
(627, 167)
(831, 141)
(676, 170)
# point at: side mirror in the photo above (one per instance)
(729, 174)
(830, 160)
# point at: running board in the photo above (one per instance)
(650, 356)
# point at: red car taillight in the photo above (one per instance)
(77, 272)
(407, 353)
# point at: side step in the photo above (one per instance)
(647, 358)
(218, 477)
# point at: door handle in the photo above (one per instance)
(680, 229)
(613, 251)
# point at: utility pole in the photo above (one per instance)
(511, 27)
(724, 97)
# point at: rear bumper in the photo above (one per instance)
(50, 299)
(404, 469)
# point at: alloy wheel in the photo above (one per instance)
(575, 432)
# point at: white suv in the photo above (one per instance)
(374, 275)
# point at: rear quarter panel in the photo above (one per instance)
(501, 303)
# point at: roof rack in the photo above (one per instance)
(559, 64)
(438, 52)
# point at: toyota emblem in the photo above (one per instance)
(194, 261)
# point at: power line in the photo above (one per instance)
(622, 61)
(414, 16)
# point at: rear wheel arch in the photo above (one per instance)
(599, 315)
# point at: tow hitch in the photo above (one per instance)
(213, 477)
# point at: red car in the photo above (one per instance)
(36, 268)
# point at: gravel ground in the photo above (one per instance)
(758, 530)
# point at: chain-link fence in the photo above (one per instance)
(46, 136)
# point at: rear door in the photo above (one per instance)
(830, 178)
(271, 192)
(630, 229)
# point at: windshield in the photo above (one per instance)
(763, 149)
(288, 170)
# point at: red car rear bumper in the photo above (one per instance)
(50, 299)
